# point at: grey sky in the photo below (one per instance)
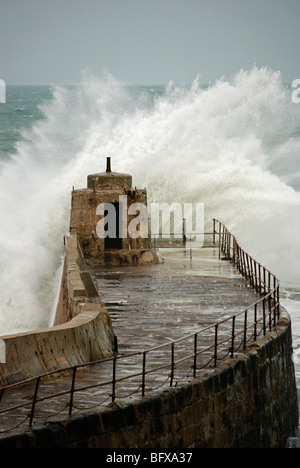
(146, 41)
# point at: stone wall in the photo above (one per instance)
(87, 337)
(76, 285)
(248, 402)
(82, 330)
(84, 220)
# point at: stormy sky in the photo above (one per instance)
(146, 41)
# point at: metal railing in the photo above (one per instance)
(260, 278)
(176, 360)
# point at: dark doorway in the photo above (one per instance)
(113, 242)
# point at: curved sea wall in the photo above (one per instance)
(82, 331)
(87, 337)
(247, 402)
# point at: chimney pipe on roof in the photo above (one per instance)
(108, 168)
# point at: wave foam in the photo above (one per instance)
(231, 146)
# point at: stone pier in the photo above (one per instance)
(249, 400)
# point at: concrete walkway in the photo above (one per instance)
(153, 305)
(149, 306)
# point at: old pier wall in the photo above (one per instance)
(247, 402)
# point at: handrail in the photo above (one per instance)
(248, 267)
(238, 329)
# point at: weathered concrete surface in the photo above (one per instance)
(151, 305)
(88, 336)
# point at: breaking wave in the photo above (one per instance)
(233, 146)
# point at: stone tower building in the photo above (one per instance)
(110, 219)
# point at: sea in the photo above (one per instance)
(233, 145)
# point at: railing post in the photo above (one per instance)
(255, 322)
(195, 353)
(113, 397)
(278, 302)
(216, 345)
(223, 238)
(227, 244)
(245, 328)
(184, 231)
(172, 364)
(233, 250)
(264, 315)
(34, 400)
(232, 335)
(144, 373)
(72, 391)
(270, 312)
(214, 231)
(241, 261)
(237, 257)
(219, 240)
(249, 271)
(255, 269)
(245, 266)
(259, 277)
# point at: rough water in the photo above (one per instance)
(233, 145)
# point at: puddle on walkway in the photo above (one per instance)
(151, 305)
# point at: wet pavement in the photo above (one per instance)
(149, 306)
(153, 305)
